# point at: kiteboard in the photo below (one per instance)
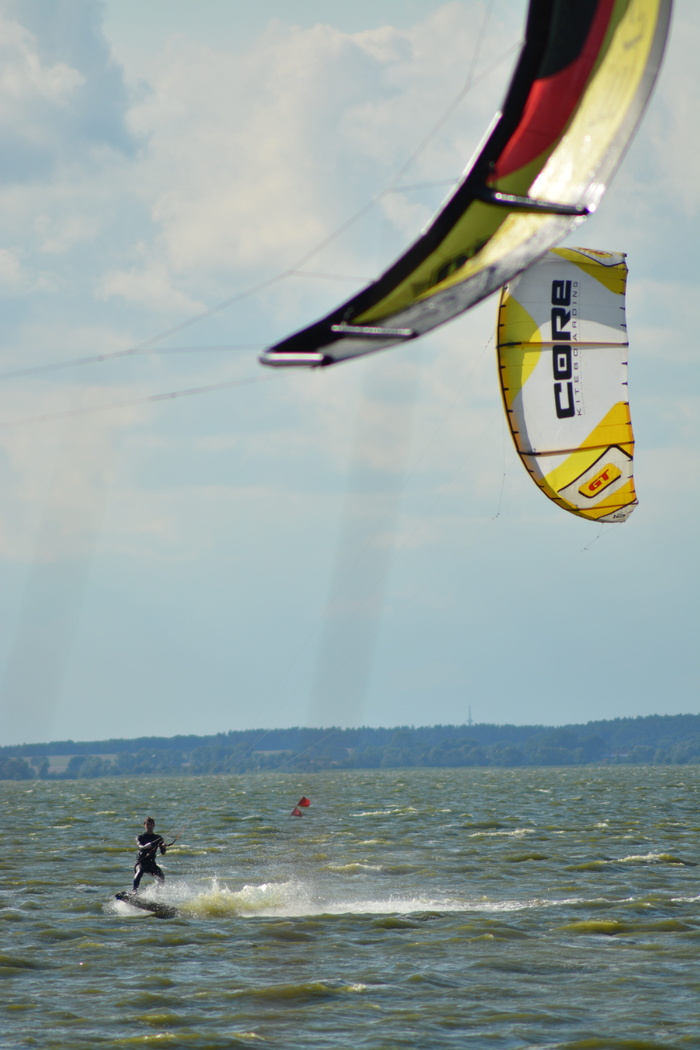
(157, 908)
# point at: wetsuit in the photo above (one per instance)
(149, 843)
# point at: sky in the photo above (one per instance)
(357, 545)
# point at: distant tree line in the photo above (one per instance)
(655, 739)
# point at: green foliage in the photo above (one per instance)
(656, 739)
(13, 768)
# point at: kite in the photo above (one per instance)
(584, 76)
(562, 356)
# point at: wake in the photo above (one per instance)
(292, 898)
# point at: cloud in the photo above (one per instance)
(150, 285)
(65, 208)
(61, 94)
(245, 162)
(12, 277)
(254, 159)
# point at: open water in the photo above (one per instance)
(547, 908)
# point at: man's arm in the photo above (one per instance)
(152, 846)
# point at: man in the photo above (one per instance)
(148, 843)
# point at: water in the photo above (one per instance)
(548, 908)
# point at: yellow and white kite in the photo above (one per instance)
(562, 354)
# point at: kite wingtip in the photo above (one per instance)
(285, 359)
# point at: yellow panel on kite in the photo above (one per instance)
(562, 356)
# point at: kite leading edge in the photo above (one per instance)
(585, 73)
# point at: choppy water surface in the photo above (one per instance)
(428, 908)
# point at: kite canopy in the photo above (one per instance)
(562, 355)
(584, 76)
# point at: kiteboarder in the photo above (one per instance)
(148, 843)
